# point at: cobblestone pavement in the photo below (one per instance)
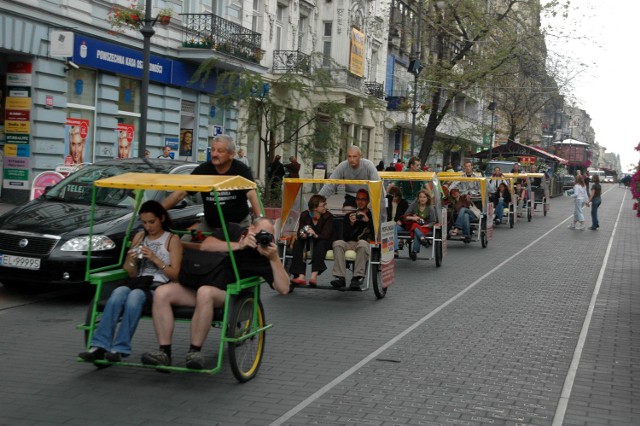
(538, 328)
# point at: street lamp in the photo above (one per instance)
(415, 67)
(147, 32)
(492, 107)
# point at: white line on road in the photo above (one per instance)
(561, 410)
(303, 404)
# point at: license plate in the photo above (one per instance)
(19, 262)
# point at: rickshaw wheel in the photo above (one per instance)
(245, 356)
(438, 248)
(376, 281)
(483, 236)
(511, 219)
(529, 215)
(544, 208)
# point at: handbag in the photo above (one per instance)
(143, 282)
(475, 210)
(200, 267)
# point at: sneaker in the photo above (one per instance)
(113, 356)
(572, 226)
(195, 360)
(339, 282)
(356, 282)
(413, 255)
(156, 358)
(93, 354)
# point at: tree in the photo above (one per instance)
(297, 107)
(467, 43)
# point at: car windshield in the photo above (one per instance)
(77, 187)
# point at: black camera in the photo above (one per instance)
(421, 222)
(264, 238)
(305, 230)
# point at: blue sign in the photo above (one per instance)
(101, 55)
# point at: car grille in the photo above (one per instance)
(38, 245)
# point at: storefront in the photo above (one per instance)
(61, 111)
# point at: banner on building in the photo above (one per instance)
(356, 56)
(75, 141)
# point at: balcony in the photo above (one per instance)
(375, 89)
(291, 61)
(209, 31)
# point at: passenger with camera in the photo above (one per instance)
(316, 225)
(255, 254)
(357, 231)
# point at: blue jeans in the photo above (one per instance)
(417, 234)
(500, 210)
(128, 304)
(465, 216)
(595, 203)
(396, 228)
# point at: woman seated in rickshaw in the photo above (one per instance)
(315, 224)
(419, 218)
(464, 217)
(521, 194)
(154, 259)
(396, 207)
(501, 198)
(450, 202)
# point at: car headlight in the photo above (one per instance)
(99, 243)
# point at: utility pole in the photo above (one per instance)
(415, 67)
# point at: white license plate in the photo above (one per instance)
(19, 262)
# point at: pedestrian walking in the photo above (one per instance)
(581, 199)
(595, 200)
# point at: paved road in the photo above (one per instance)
(538, 328)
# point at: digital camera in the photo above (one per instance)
(139, 254)
(421, 222)
(264, 238)
(305, 230)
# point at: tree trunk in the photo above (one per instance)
(430, 132)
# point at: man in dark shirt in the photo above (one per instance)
(252, 259)
(234, 203)
(357, 231)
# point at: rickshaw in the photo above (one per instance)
(509, 213)
(527, 203)
(540, 192)
(434, 238)
(482, 229)
(380, 250)
(242, 321)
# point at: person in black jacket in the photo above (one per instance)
(357, 231)
(501, 198)
(276, 172)
(396, 207)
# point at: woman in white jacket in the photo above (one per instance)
(581, 199)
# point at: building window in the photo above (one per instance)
(81, 87)
(302, 31)
(326, 43)
(281, 13)
(129, 95)
(365, 134)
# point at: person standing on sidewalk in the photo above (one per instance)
(581, 198)
(595, 200)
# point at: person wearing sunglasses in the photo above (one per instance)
(357, 231)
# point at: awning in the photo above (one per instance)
(515, 149)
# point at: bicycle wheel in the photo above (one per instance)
(376, 281)
(245, 356)
(438, 248)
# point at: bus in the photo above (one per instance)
(599, 173)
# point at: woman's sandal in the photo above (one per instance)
(313, 283)
(298, 281)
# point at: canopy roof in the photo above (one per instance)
(517, 149)
(189, 183)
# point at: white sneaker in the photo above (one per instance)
(572, 226)
(580, 227)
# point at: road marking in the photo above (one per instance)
(303, 404)
(561, 410)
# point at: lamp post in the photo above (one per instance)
(147, 32)
(492, 107)
(415, 67)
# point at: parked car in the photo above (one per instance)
(45, 240)
(568, 181)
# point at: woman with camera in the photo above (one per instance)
(154, 259)
(418, 218)
(316, 224)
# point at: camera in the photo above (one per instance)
(421, 222)
(264, 238)
(306, 230)
(139, 254)
(359, 217)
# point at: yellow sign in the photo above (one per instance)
(11, 126)
(356, 58)
(10, 150)
(18, 103)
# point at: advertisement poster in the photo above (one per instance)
(42, 181)
(186, 141)
(387, 253)
(124, 140)
(75, 141)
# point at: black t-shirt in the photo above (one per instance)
(234, 203)
(249, 261)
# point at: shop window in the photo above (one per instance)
(129, 95)
(81, 87)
